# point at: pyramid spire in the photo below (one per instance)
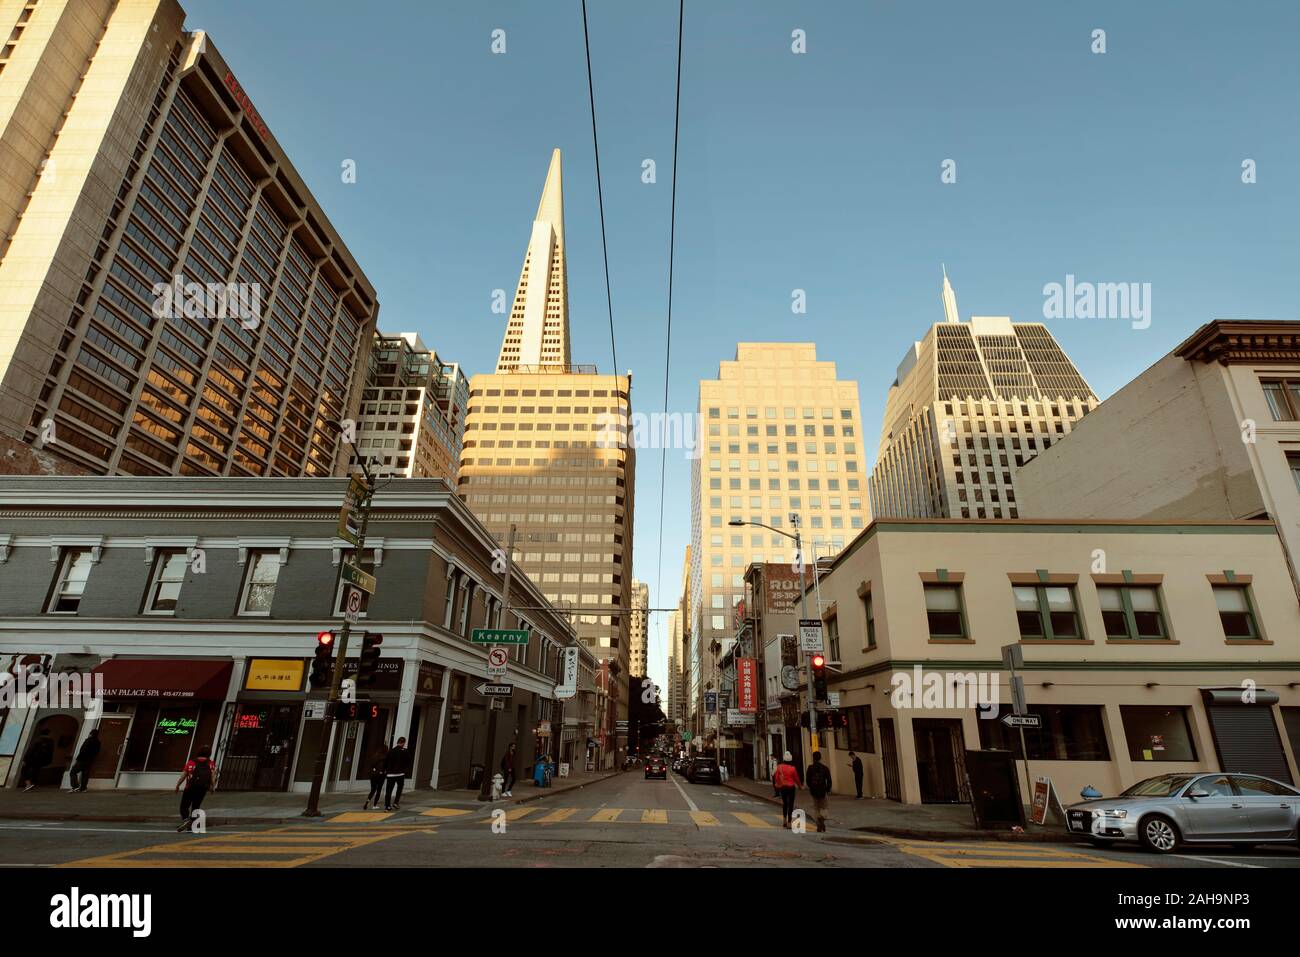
(537, 333)
(950, 313)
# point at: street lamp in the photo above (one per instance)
(803, 609)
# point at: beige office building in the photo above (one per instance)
(781, 436)
(412, 410)
(640, 628)
(130, 155)
(1211, 431)
(971, 402)
(1148, 648)
(545, 450)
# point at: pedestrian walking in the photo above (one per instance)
(198, 777)
(508, 771)
(786, 780)
(86, 755)
(771, 774)
(395, 772)
(819, 785)
(39, 754)
(376, 777)
(856, 763)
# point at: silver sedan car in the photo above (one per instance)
(1164, 812)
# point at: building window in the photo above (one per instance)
(1283, 396)
(74, 569)
(165, 588)
(943, 609)
(1066, 733)
(833, 638)
(1157, 734)
(1046, 611)
(259, 584)
(868, 608)
(856, 732)
(1236, 611)
(1132, 611)
(1293, 461)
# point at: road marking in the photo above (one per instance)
(606, 815)
(516, 813)
(1216, 860)
(445, 812)
(704, 819)
(558, 815)
(360, 817)
(654, 817)
(751, 820)
(93, 830)
(1001, 854)
(686, 797)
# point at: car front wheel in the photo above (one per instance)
(1159, 834)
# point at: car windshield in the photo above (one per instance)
(705, 762)
(1162, 786)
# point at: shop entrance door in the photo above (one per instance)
(259, 752)
(940, 760)
(113, 730)
(889, 758)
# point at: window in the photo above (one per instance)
(833, 638)
(1235, 611)
(1066, 733)
(1293, 462)
(1283, 397)
(74, 569)
(1157, 734)
(1046, 611)
(944, 611)
(870, 611)
(165, 588)
(259, 586)
(1131, 612)
(856, 733)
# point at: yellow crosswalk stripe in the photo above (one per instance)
(360, 817)
(750, 820)
(558, 815)
(605, 815)
(654, 817)
(516, 813)
(704, 819)
(446, 812)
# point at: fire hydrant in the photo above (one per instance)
(497, 782)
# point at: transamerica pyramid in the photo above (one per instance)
(537, 335)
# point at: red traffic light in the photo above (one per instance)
(325, 637)
(818, 661)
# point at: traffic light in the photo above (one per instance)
(322, 666)
(818, 665)
(368, 663)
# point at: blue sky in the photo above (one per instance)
(818, 171)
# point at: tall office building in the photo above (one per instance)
(412, 410)
(972, 402)
(133, 156)
(545, 450)
(639, 627)
(783, 437)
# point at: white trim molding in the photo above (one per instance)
(151, 545)
(284, 545)
(94, 542)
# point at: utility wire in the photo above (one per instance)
(600, 198)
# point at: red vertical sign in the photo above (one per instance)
(747, 683)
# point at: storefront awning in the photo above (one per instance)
(165, 679)
(1238, 695)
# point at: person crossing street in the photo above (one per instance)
(786, 782)
(818, 778)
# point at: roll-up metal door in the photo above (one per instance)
(1246, 735)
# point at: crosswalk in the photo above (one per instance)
(545, 816)
(1003, 854)
(290, 846)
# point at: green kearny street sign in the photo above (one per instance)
(498, 636)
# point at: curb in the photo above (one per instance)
(931, 834)
(215, 821)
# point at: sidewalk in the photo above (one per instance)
(929, 822)
(248, 807)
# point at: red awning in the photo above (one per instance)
(165, 679)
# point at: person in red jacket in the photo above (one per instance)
(786, 781)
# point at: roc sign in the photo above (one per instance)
(246, 105)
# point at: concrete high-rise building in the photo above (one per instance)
(972, 402)
(175, 300)
(412, 410)
(782, 437)
(545, 450)
(639, 627)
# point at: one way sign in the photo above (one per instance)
(1022, 721)
(495, 691)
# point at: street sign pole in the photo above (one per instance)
(340, 657)
(485, 790)
(1011, 655)
(807, 655)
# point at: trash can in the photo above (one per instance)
(475, 777)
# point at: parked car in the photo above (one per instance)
(656, 768)
(1168, 811)
(703, 770)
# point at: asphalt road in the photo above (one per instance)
(623, 821)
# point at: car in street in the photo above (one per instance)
(1169, 811)
(703, 771)
(656, 767)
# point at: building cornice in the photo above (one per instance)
(1232, 341)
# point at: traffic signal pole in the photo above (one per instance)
(327, 727)
(485, 790)
(807, 655)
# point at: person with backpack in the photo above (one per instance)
(819, 785)
(199, 777)
(508, 771)
(86, 755)
(376, 777)
(38, 757)
(395, 772)
(786, 782)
